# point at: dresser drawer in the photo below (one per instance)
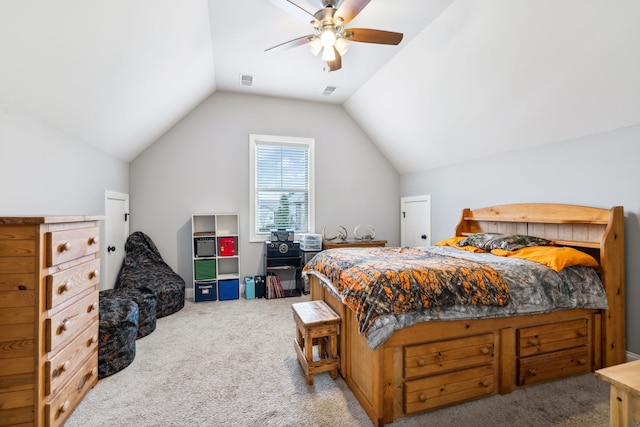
(66, 245)
(554, 337)
(442, 356)
(66, 325)
(57, 409)
(66, 284)
(59, 368)
(535, 369)
(446, 389)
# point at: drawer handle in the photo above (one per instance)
(484, 383)
(582, 361)
(422, 362)
(485, 351)
(532, 372)
(533, 341)
(63, 368)
(94, 274)
(65, 287)
(94, 372)
(422, 398)
(93, 240)
(582, 333)
(66, 323)
(64, 247)
(93, 340)
(65, 406)
(92, 307)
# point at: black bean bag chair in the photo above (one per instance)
(147, 306)
(117, 331)
(143, 267)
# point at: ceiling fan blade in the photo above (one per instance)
(294, 9)
(366, 35)
(290, 44)
(336, 64)
(349, 9)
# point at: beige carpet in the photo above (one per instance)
(232, 363)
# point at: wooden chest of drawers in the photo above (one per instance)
(49, 281)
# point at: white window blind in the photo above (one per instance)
(282, 193)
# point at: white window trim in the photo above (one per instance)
(255, 139)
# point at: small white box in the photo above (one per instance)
(310, 242)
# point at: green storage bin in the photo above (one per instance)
(205, 269)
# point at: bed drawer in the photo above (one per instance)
(66, 245)
(446, 389)
(60, 407)
(66, 362)
(552, 337)
(442, 356)
(558, 364)
(67, 324)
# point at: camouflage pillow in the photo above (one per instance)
(479, 240)
(507, 242)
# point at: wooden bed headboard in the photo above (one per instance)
(599, 232)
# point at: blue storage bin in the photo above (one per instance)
(205, 291)
(249, 288)
(228, 289)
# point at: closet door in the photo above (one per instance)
(415, 221)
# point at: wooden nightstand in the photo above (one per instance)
(625, 392)
(354, 244)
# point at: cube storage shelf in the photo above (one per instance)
(216, 262)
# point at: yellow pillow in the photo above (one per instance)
(453, 242)
(553, 257)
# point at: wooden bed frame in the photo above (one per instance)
(440, 363)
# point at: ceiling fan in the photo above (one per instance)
(330, 36)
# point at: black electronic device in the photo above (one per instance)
(260, 284)
(282, 249)
(205, 247)
(282, 235)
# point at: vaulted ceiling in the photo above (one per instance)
(470, 79)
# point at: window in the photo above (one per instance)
(282, 185)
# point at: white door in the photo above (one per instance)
(116, 230)
(415, 221)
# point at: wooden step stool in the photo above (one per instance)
(316, 324)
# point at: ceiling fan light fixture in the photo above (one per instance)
(342, 46)
(328, 38)
(315, 46)
(328, 54)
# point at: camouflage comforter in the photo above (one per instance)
(392, 288)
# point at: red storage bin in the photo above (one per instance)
(227, 246)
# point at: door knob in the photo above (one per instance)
(111, 248)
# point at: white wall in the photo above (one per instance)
(44, 171)
(202, 166)
(600, 170)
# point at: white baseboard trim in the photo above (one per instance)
(632, 356)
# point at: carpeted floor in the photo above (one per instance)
(232, 363)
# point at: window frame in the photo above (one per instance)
(282, 141)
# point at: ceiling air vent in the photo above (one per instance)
(329, 90)
(246, 80)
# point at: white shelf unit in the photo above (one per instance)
(216, 259)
